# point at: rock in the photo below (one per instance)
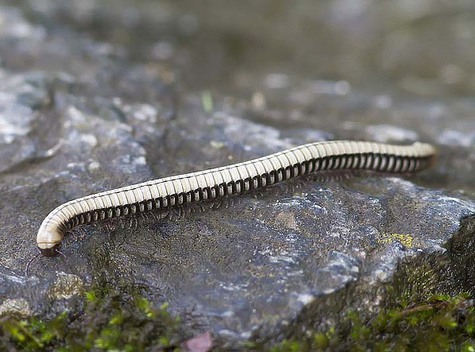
(79, 115)
(15, 306)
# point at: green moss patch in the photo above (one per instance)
(108, 321)
(441, 323)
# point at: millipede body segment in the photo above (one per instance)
(228, 180)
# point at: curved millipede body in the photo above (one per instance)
(227, 180)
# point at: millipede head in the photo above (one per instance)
(49, 239)
(51, 251)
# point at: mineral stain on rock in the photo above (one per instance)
(87, 104)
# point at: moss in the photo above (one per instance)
(441, 323)
(108, 321)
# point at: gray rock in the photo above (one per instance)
(79, 116)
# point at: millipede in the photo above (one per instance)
(229, 180)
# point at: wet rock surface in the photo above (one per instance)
(94, 97)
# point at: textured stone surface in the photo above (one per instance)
(93, 99)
